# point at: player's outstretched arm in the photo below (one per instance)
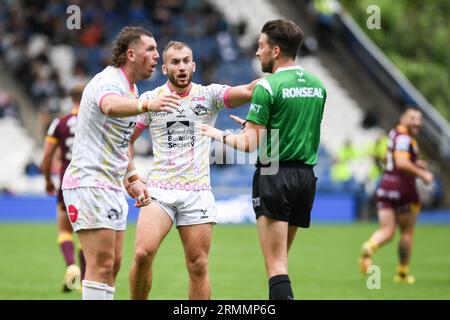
(239, 95)
(117, 106)
(246, 141)
(46, 165)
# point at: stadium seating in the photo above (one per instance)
(19, 150)
(222, 57)
(231, 66)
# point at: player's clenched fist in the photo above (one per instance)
(138, 191)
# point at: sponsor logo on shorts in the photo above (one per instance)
(113, 214)
(73, 213)
(256, 202)
(204, 211)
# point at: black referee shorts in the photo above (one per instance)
(287, 195)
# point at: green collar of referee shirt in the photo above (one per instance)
(288, 68)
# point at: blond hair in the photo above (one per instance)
(177, 45)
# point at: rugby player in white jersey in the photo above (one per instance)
(92, 184)
(179, 181)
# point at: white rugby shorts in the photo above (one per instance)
(186, 207)
(95, 208)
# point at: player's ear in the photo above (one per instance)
(193, 67)
(130, 55)
(164, 69)
(276, 52)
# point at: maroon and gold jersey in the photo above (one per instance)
(61, 132)
(397, 187)
(400, 143)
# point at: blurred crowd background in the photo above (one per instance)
(41, 60)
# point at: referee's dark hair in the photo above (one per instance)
(284, 34)
(408, 107)
(126, 37)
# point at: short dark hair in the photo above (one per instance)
(124, 39)
(284, 34)
(410, 108)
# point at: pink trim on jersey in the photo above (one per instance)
(180, 95)
(106, 185)
(178, 186)
(129, 82)
(226, 98)
(140, 125)
(108, 93)
(70, 182)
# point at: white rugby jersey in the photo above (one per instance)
(181, 152)
(100, 146)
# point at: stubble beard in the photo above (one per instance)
(177, 84)
(267, 67)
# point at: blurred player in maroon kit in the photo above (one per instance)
(396, 197)
(60, 135)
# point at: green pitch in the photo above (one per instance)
(323, 264)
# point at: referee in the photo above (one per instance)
(284, 119)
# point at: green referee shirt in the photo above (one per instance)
(292, 101)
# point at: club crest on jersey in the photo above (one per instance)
(200, 110)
